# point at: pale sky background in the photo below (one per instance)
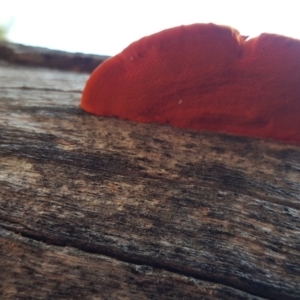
(107, 27)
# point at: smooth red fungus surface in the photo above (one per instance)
(204, 77)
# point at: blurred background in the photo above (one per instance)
(107, 27)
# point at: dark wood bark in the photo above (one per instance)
(101, 208)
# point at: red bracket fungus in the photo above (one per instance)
(204, 77)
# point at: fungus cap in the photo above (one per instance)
(203, 77)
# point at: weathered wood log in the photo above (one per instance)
(98, 208)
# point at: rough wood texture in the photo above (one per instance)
(54, 59)
(100, 208)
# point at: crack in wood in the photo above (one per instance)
(137, 261)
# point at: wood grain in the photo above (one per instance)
(100, 208)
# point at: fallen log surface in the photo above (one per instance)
(19, 54)
(101, 208)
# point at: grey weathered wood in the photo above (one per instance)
(94, 207)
